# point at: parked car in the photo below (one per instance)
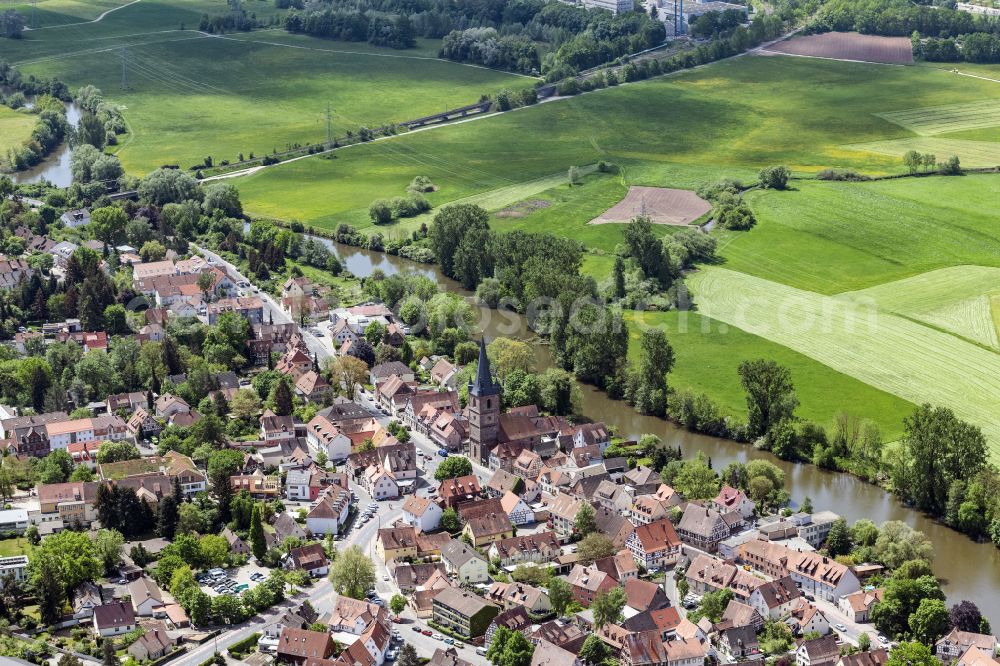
(417, 629)
(840, 627)
(449, 641)
(481, 651)
(443, 453)
(437, 637)
(427, 632)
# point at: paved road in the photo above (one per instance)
(273, 311)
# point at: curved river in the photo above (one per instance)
(968, 570)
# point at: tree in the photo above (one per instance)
(245, 404)
(111, 452)
(12, 23)
(607, 607)
(257, 543)
(190, 519)
(937, 448)
(594, 650)
(509, 648)
(774, 177)
(965, 616)
(560, 594)
(74, 555)
(696, 480)
(45, 579)
(712, 606)
(222, 465)
(838, 540)
(108, 223)
(585, 521)
(913, 160)
(912, 654)
(452, 468)
(281, 399)
(223, 197)
(864, 642)
(108, 546)
(573, 176)
(593, 547)
(214, 550)
(165, 186)
(452, 224)
(408, 656)
(108, 656)
(930, 621)
(770, 395)
(898, 543)
(346, 372)
(397, 603)
(352, 573)
(152, 250)
(380, 212)
(450, 521)
(205, 282)
(901, 599)
(507, 356)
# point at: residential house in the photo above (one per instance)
(313, 387)
(395, 543)
(250, 308)
(381, 483)
(881, 656)
(614, 525)
(167, 405)
(383, 371)
(310, 558)
(805, 618)
(643, 649)
(297, 646)
(147, 599)
(153, 644)
(818, 652)
(515, 618)
(422, 513)
(703, 528)
(740, 644)
(75, 218)
(503, 482)
(330, 513)
(621, 566)
(463, 612)
(814, 528)
(517, 509)
(655, 545)
(708, 574)
(642, 596)
(70, 503)
(452, 492)
(527, 465)
(739, 614)
(520, 595)
(409, 577)
(236, 544)
(274, 428)
(114, 619)
(485, 529)
(956, 642)
(538, 548)
(822, 576)
(549, 654)
(731, 499)
(686, 651)
(857, 606)
(447, 657)
(776, 598)
(86, 597)
(258, 484)
(464, 562)
(587, 583)
(562, 513)
(643, 479)
(323, 434)
(14, 520)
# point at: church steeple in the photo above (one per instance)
(483, 385)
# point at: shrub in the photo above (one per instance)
(774, 177)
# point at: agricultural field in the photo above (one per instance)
(915, 362)
(972, 153)
(956, 299)
(709, 353)
(47, 13)
(946, 118)
(662, 205)
(192, 95)
(15, 127)
(831, 237)
(728, 119)
(848, 46)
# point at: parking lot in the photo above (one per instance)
(231, 581)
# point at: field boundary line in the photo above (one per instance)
(814, 57)
(96, 20)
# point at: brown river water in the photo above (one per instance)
(968, 570)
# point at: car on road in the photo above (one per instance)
(883, 640)
(449, 641)
(442, 453)
(437, 637)
(427, 632)
(840, 627)
(481, 651)
(385, 578)
(417, 629)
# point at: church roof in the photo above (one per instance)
(483, 384)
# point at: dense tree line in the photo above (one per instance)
(982, 47)
(898, 18)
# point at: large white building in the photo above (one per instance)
(613, 6)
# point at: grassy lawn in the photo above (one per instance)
(727, 119)
(191, 95)
(11, 547)
(899, 355)
(15, 127)
(834, 237)
(709, 353)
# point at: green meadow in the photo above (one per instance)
(15, 128)
(191, 95)
(728, 119)
(709, 353)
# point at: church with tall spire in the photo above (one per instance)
(484, 409)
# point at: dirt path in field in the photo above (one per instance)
(96, 20)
